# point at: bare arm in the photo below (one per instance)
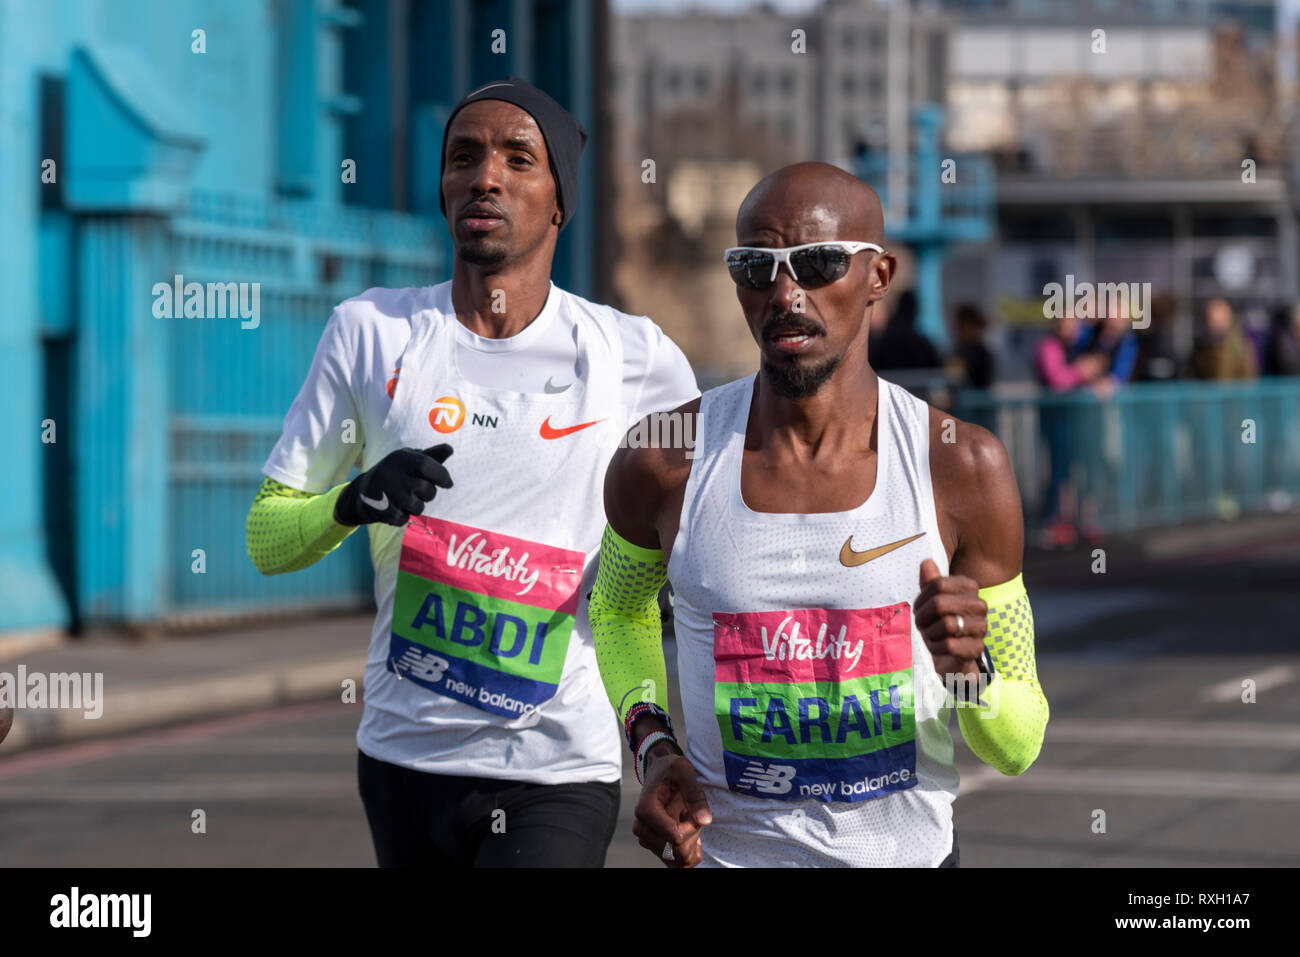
(644, 485)
(976, 489)
(979, 506)
(643, 492)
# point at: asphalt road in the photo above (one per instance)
(1143, 667)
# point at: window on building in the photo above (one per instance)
(701, 81)
(849, 84)
(759, 82)
(673, 81)
(876, 85)
(787, 82)
(850, 39)
(876, 40)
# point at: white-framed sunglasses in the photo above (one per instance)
(811, 264)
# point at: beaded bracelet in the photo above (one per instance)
(640, 710)
(643, 750)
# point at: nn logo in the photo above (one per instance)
(447, 414)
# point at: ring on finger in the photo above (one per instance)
(961, 624)
(667, 852)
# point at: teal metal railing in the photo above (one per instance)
(176, 414)
(231, 387)
(1154, 453)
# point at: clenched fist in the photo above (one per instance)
(952, 619)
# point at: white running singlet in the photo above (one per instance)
(481, 660)
(799, 674)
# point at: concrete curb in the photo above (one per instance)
(134, 708)
(16, 644)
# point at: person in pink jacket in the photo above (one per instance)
(1060, 371)
(1057, 368)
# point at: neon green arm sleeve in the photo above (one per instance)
(625, 623)
(288, 529)
(1007, 734)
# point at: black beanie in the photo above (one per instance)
(564, 136)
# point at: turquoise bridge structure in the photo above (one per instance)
(211, 140)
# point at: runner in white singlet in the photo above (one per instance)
(839, 551)
(482, 413)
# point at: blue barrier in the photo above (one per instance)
(1154, 453)
(176, 414)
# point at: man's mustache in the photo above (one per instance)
(483, 204)
(784, 323)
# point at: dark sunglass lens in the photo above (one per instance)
(820, 264)
(750, 269)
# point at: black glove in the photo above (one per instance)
(395, 489)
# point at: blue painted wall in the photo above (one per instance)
(222, 165)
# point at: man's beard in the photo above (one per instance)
(482, 252)
(796, 381)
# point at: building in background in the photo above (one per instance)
(716, 101)
(284, 150)
(1162, 156)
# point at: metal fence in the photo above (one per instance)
(1154, 453)
(230, 386)
(202, 400)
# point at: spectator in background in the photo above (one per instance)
(1114, 342)
(900, 346)
(1223, 352)
(972, 360)
(1157, 360)
(1060, 370)
(1282, 351)
(1254, 323)
(1058, 363)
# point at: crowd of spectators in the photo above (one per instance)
(1100, 356)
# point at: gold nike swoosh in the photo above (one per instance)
(851, 559)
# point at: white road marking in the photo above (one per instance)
(1227, 691)
(226, 787)
(1128, 781)
(282, 746)
(979, 779)
(1197, 733)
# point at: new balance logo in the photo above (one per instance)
(766, 778)
(419, 664)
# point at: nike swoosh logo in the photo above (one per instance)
(851, 559)
(378, 504)
(554, 389)
(549, 433)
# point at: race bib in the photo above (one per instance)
(816, 704)
(481, 617)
